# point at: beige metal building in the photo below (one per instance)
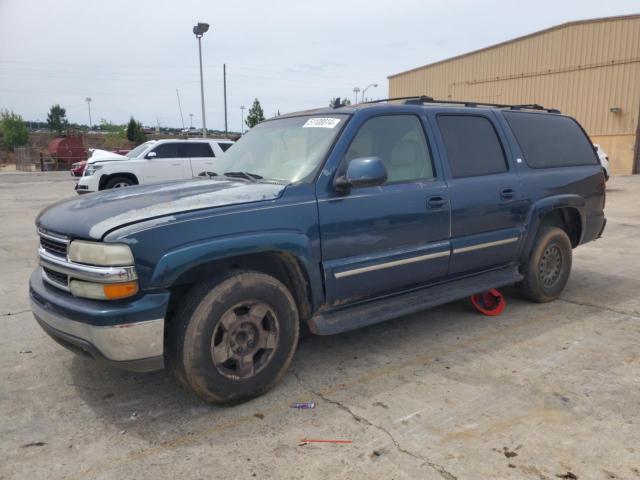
(589, 69)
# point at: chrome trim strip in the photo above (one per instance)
(485, 245)
(88, 273)
(122, 342)
(395, 263)
(55, 238)
(46, 278)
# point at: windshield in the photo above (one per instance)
(288, 149)
(138, 150)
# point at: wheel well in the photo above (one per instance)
(105, 178)
(568, 219)
(280, 265)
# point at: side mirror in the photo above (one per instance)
(151, 155)
(362, 172)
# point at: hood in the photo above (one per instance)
(93, 215)
(104, 155)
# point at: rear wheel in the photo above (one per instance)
(234, 338)
(549, 266)
(119, 182)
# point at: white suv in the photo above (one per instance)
(152, 162)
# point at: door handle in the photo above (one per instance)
(507, 194)
(436, 202)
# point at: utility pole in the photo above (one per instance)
(242, 110)
(224, 81)
(180, 108)
(200, 30)
(88, 100)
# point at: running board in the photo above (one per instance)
(329, 322)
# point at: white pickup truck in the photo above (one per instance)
(152, 162)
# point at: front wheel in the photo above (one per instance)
(118, 182)
(234, 338)
(547, 270)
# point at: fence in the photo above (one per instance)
(32, 159)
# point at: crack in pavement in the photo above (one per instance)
(360, 419)
(633, 313)
(10, 314)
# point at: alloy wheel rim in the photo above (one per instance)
(550, 265)
(121, 185)
(244, 340)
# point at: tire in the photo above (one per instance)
(549, 266)
(232, 339)
(118, 182)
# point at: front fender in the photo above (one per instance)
(539, 209)
(182, 259)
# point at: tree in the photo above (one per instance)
(57, 119)
(337, 102)
(13, 130)
(255, 115)
(135, 132)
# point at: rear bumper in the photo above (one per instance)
(127, 335)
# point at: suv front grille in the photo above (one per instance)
(56, 277)
(53, 246)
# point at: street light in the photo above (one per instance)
(199, 30)
(88, 100)
(190, 121)
(374, 85)
(356, 90)
(242, 128)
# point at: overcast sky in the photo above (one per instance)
(131, 56)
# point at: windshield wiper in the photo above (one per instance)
(252, 177)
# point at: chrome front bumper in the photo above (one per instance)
(128, 334)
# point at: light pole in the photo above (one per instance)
(190, 121)
(88, 100)
(356, 90)
(242, 113)
(374, 85)
(199, 30)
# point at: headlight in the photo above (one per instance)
(91, 169)
(103, 291)
(102, 254)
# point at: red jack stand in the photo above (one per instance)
(489, 303)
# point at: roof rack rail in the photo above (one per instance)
(420, 99)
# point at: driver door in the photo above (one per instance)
(384, 239)
(167, 164)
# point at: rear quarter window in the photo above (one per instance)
(549, 141)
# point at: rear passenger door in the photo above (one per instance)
(201, 157)
(488, 207)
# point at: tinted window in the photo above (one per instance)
(473, 147)
(167, 150)
(197, 150)
(399, 141)
(225, 146)
(550, 140)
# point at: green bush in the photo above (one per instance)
(13, 130)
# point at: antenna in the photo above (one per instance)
(180, 108)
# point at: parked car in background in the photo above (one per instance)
(604, 160)
(77, 169)
(152, 162)
(336, 218)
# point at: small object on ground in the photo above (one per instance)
(304, 405)
(259, 415)
(316, 440)
(567, 476)
(34, 444)
(489, 303)
(26, 351)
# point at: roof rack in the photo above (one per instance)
(421, 99)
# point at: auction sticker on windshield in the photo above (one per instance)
(318, 122)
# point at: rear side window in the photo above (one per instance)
(225, 146)
(472, 144)
(167, 150)
(197, 150)
(550, 140)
